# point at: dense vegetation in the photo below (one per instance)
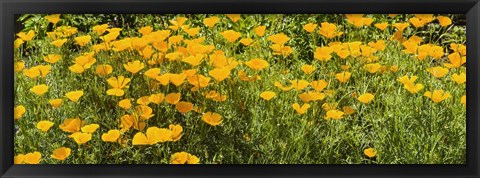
(257, 89)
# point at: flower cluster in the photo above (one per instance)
(206, 83)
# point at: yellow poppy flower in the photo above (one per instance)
(382, 26)
(176, 132)
(234, 17)
(177, 79)
(220, 74)
(117, 91)
(190, 72)
(44, 125)
(54, 18)
(199, 81)
(437, 95)
(184, 158)
(52, 58)
(393, 68)
(110, 36)
(366, 98)
(183, 107)
(357, 20)
(39, 89)
(150, 138)
(19, 159)
(18, 66)
(310, 27)
(173, 56)
(311, 96)
(370, 152)
(406, 80)
(173, 98)
(257, 64)
(323, 53)
(77, 68)
(111, 136)
(81, 138)
(308, 69)
(246, 41)
(281, 50)
(299, 84)
(460, 48)
(122, 45)
(44, 69)
(373, 67)
(329, 30)
(18, 112)
(438, 72)
(125, 103)
(279, 85)
(302, 109)
(334, 114)
(164, 79)
(134, 67)
(117, 84)
(416, 22)
(459, 78)
(104, 69)
(218, 59)
(74, 95)
(425, 17)
(192, 31)
(145, 30)
(26, 36)
(175, 40)
(413, 88)
(71, 125)
(267, 95)
(260, 30)
(456, 60)
(444, 21)
(410, 47)
(401, 26)
(17, 43)
(157, 98)
(82, 63)
(378, 45)
(279, 39)
(100, 29)
(211, 21)
(436, 52)
(215, 96)
(212, 118)
(32, 72)
(319, 85)
(114, 30)
(127, 121)
(144, 112)
(33, 158)
(83, 40)
(343, 77)
(194, 60)
(164, 135)
(231, 35)
(90, 128)
(348, 110)
(463, 100)
(61, 153)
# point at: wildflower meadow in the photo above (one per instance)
(240, 89)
